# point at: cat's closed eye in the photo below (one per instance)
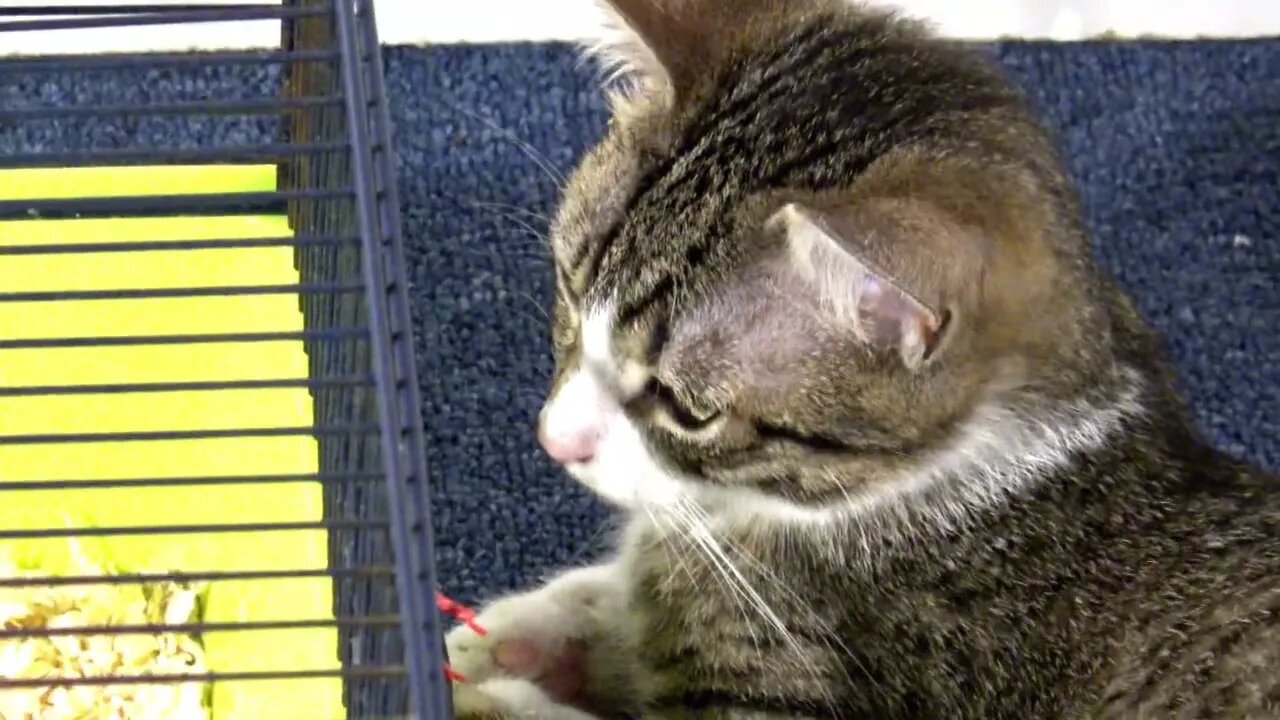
(686, 415)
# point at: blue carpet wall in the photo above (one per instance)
(1176, 147)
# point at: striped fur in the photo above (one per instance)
(1011, 518)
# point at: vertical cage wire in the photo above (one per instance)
(314, 109)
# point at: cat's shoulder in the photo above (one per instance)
(1204, 640)
(1213, 657)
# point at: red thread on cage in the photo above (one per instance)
(464, 615)
(460, 612)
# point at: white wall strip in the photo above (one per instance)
(445, 21)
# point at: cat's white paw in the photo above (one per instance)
(537, 635)
(510, 698)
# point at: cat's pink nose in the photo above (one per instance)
(576, 445)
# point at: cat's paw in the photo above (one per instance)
(555, 662)
(539, 636)
(510, 698)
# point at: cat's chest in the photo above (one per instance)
(711, 607)
(694, 590)
(693, 587)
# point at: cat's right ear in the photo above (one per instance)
(881, 282)
(661, 41)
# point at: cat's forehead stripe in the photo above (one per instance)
(627, 375)
(597, 337)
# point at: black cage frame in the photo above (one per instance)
(327, 129)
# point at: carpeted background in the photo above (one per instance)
(1176, 147)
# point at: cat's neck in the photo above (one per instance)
(1006, 445)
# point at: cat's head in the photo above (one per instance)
(815, 251)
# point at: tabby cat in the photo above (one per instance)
(829, 332)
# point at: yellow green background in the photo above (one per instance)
(227, 601)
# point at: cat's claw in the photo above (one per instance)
(503, 698)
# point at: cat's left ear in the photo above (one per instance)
(859, 273)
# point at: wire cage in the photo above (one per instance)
(212, 476)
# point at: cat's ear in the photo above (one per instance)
(840, 258)
(660, 40)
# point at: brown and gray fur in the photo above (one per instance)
(1071, 548)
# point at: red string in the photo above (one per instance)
(464, 615)
(461, 613)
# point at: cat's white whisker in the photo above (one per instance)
(687, 528)
(701, 532)
(543, 162)
(665, 527)
(514, 209)
(522, 224)
(533, 303)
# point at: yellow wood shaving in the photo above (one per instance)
(99, 656)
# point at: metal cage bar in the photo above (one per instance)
(385, 254)
(315, 110)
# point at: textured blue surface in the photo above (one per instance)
(1176, 147)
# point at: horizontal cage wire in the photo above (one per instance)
(212, 484)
